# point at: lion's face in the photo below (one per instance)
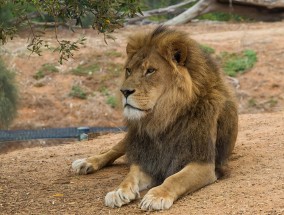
(158, 79)
(146, 77)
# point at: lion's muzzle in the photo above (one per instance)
(127, 92)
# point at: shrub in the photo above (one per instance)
(78, 92)
(113, 53)
(45, 69)
(207, 49)
(8, 96)
(112, 101)
(234, 63)
(85, 69)
(220, 16)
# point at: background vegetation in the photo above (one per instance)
(233, 63)
(103, 16)
(8, 96)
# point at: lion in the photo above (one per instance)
(182, 121)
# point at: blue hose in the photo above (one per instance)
(54, 133)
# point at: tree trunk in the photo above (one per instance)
(160, 11)
(201, 7)
(261, 10)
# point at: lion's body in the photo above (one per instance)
(181, 117)
(186, 129)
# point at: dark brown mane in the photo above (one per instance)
(160, 30)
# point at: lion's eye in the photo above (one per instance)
(150, 71)
(128, 71)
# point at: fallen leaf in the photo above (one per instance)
(58, 195)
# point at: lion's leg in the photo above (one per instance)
(94, 163)
(128, 190)
(227, 132)
(193, 177)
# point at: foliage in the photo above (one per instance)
(112, 101)
(152, 4)
(252, 102)
(78, 92)
(106, 17)
(45, 69)
(113, 53)
(220, 16)
(66, 48)
(104, 90)
(272, 102)
(8, 96)
(114, 69)
(85, 69)
(268, 104)
(207, 49)
(234, 63)
(98, 69)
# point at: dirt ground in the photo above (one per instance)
(40, 181)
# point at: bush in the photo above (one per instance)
(112, 101)
(224, 17)
(207, 49)
(85, 69)
(78, 92)
(8, 96)
(234, 63)
(45, 69)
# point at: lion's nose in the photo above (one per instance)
(127, 92)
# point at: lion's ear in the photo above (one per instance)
(130, 50)
(179, 53)
(135, 43)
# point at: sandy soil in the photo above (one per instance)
(40, 181)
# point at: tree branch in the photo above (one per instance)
(202, 7)
(160, 11)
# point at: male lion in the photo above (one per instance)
(182, 121)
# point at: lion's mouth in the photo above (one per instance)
(136, 108)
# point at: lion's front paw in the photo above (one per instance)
(156, 199)
(121, 197)
(82, 167)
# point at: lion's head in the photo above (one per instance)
(165, 71)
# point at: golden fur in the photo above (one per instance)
(181, 117)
